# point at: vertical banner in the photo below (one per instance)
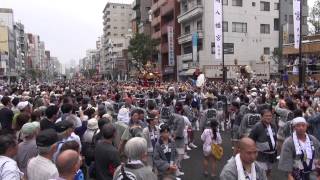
(170, 46)
(195, 46)
(218, 29)
(296, 22)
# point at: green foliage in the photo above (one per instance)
(315, 16)
(141, 47)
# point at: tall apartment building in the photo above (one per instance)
(140, 17)
(251, 34)
(286, 20)
(164, 15)
(33, 52)
(7, 45)
(117, 33)
(20, 47)
(191, 19)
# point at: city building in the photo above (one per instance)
(140, 17)
(117, 34)
(33, 52)
(251, 36)
(20, 48)
(166, 29)
(286, 20)
(191, 20)
(7, 44)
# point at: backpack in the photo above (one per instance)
(210, 115)
(125, 175)
(253, 119)
(88, 149)
(165, 114)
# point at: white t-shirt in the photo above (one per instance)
(9, 169)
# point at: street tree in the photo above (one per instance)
(141, 47)
(314, 17)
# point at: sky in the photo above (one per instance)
(68, 27)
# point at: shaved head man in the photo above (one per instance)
(68, 163)
(247, 151)
(243, 165)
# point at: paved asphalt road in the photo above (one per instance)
(193, 167)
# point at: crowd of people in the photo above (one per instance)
(78, 130)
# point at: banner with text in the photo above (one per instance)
(195, 46)
(296, 22)
(218, 29)
(170, 47)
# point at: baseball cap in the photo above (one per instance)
(63, 126)
(47, 138)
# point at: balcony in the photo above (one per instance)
(135, 4)
(156, 21)
(136, 15)
(167, 8)
(158, 4)
(191, 13)
(185, 57)
(164, 48)
(164, 28)
(156, 35)
(188, 37)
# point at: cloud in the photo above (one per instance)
(68, 27)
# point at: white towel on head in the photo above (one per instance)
(298, 147)
(240, 169)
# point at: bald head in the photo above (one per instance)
(248, 150)
(246, 142)
(68, 163)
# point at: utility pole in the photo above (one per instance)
(301, 66)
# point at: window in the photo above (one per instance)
(108, 12)
(253, 4)
(236, 2)
(114, 7)
(199, 25)
(291, 38)
(276, 24)
(276, 6)
(115, 27)
(199, 2)
(239, 27)
(291, 19)
(187, 29)
(264, 6)
(285, 18)
(266, 51)
(115, 34)
(304, 20)
(225, 2)
(122, 27)
(122, 35)
(265, 28)
(225, 26)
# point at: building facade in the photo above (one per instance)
(8, 44)
(286, 19)
(117, 34)
(251, 36)
(140, 17)
(164, 20)
(20, 48)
